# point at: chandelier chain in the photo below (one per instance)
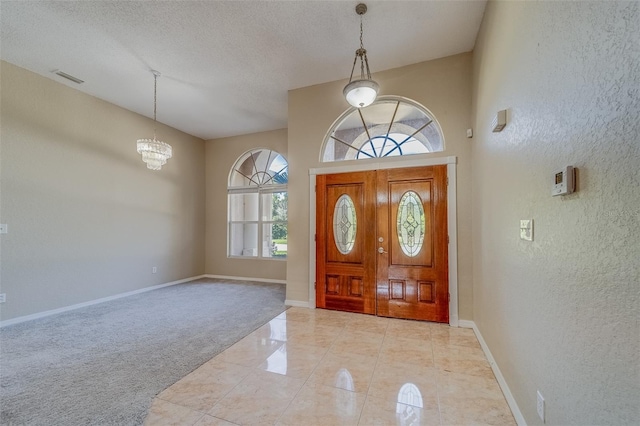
(362, 51)
(361, 45)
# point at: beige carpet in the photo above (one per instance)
(103, 364)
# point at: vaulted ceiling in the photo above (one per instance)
(226, 65)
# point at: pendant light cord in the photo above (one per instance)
(155, 101)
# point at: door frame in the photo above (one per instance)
(393, 163)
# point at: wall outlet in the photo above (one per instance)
(154, 269)
(540, 407)
(3, 297)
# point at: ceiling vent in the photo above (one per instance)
(67, 76)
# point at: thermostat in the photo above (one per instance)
(564, 181)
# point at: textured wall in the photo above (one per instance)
(444, 87)
(86, 218)
(221, 155)
(560, 314)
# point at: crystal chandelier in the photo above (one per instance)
(361, 93)
(154, 152)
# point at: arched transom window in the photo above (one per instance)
(391, 126)
(257, 208)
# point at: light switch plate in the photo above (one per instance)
(526, 229)
(4, 228)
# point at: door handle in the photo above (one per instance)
(381, 250)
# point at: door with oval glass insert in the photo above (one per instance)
(381, 243)
(345, 251)
(413, 270)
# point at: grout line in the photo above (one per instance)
(435, 367)
(313, 371)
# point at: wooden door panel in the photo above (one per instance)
(413, 286)
(345, 279)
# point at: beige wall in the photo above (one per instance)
(221, 155)
(86, 218)
(444, 87)
(560, 314)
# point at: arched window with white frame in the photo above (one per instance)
(391, 126)
(257, 205)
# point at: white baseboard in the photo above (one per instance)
(517, 414)
(229, 277)
(93, 302)
(467, 324)
(296, 303)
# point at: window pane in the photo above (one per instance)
(274, 206)
(391, 126)
(260, 168)
(243, 207)
(344, 224)
(243, 239)
(410, 224)
(274, 240)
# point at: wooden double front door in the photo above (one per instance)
(381, 243)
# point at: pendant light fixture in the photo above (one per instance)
(362, 92)
(154, 152)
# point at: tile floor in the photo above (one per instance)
(319, 367)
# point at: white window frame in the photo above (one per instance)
(262, 219)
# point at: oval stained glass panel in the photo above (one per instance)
(410, 223)
(344, 224)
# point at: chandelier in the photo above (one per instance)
(362, 92)
(154, 152)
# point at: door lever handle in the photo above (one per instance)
(381, 250)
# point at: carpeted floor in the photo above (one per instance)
(103, 364)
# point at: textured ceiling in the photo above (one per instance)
(226, 65)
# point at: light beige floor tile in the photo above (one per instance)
(259, 399)
(403, 350)
(164, 413)
(250, 351)
(358, 342)
(276, 329)
(475, 410)
(323, 405)
(317, 316)
(297, 314)
(395, 380)
(314, 334)
(452, 351)
(202, 388)
(331, 314)
(465, 365)
(368, 323)
(452, 336)
(408, 329)
(458, 385)
(208, 420)
(294, 360)
(383, 412)
(347, 371)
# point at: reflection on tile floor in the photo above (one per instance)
(320, 367)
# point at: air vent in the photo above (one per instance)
(68, 77)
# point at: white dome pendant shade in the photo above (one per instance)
(154, 152)
(362, 92)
